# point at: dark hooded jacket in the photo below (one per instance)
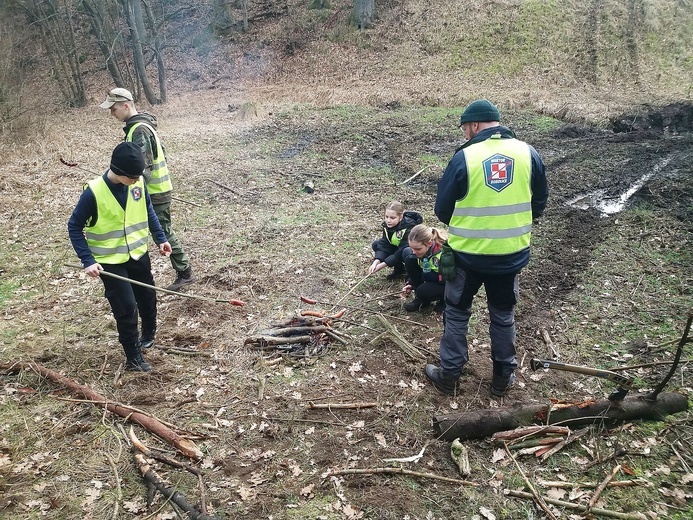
(146, 139)
(391, 254)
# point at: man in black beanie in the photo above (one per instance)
(491, 190)
(109, 230)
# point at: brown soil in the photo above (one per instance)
(266, 241)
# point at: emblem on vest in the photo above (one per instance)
(399, 234)
(498, 172)
(136, 193)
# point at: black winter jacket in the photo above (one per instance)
(391, 254)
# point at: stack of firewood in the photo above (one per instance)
(307, 335)
(540, 441)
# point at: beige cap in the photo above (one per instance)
(116, 95)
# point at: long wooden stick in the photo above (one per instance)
(364, 309)
(334, 406)
(570, 485)
(352, 289)
(537, 497)
(415, 175)
(161, 289)
(185, 446)
(398, 471)
(580, 507)
(186, 202)
(602, 486)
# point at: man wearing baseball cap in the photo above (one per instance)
(140, 128)
(109, 229)
(491, 190)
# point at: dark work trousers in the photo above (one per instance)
(179, 259)
(427, 286)
(502, 293)
(126, 299)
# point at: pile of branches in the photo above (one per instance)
(308, 335)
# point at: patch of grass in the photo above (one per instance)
(6, 291)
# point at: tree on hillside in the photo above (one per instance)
(127, 59)
(54, 23)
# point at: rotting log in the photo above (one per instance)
(479, 424)
(185, 446)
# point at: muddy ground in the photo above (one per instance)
(606, 288)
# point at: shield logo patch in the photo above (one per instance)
(136, 193)
(498, 172)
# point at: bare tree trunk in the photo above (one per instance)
(57, 36)
(133, 15)
(157, 47)
(105, 37)
(364, 11)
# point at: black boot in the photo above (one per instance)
(441, 380)
(135, 361)
(183, 278)
(146, 342)
(500, 385)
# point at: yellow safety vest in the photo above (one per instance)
(160, 181)
(430, 263)
(495, 217)
(396, 237)
(118, 234)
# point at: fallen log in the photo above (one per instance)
(479, 424)
(185, 446)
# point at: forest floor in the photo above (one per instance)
(609, 284)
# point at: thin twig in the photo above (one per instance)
(223, 186)
(580, 507)
(186, 202)
(572, 485)
(415, 175)
(602, 486)
(568, 440)
(400, 471)
(537, 498)
(119, 490)
(648, 365)
(351, 406)
(352, 289)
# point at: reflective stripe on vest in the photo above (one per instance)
(118, 234)
(160, 181)
(495, 217)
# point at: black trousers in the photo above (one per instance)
(127, 300)
(424, 290)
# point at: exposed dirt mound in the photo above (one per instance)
(673, 119)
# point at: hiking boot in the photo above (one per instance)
(500, 385)
(146, 342)
(443, 383)
(136, 363)
(415, 305)
(183, 278)
(134, 360)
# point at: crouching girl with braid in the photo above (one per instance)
(422, 259)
